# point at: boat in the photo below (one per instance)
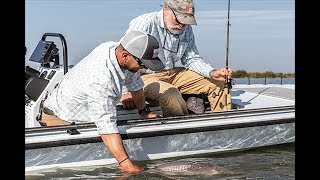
(261, 115)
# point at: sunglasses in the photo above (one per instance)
(138, 60)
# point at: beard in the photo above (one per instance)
(171, 28)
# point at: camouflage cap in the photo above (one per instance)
(183, 10)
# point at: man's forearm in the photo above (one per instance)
(114, 143)
(115, 146)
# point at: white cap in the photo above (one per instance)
(143, 46)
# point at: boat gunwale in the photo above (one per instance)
(160, 120)
(146, 134)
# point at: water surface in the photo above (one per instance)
(270, 163)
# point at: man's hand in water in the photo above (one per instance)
(129, 167)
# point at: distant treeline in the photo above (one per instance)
(268, 74)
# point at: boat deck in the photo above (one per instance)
(243, 97)
(281, 91)
(260, 95)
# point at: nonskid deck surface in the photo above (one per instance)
(262, 95)
(274, 90)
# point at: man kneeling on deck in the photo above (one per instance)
(90, 91)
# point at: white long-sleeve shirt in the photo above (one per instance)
(90, 90)
(173, 48)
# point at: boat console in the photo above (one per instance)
(39, 81)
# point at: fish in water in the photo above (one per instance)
(188, 168)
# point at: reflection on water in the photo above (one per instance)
(273, 162)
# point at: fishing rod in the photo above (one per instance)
(227, 83)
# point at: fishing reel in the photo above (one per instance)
(228, 83)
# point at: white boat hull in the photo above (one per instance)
(156, 140)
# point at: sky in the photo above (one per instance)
(261, 35)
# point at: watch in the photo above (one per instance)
(144, 110)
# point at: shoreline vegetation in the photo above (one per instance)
(267, 74)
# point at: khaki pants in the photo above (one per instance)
(166, 88)
(53, 120)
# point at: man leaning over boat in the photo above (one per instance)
(90, 91)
